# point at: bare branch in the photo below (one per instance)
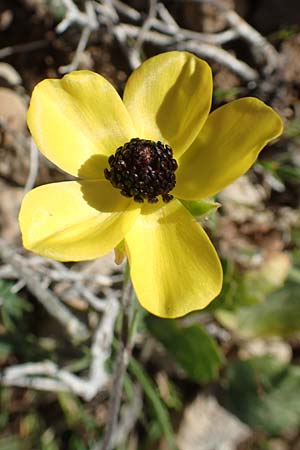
(166, 17)
(88, 20)
(33, 168)
(145, 27)
(101, 347)
(128, 11)
(74, 64)
(38, 383)
(262, 49)
(120, 368)
(22, 48)
(73, 15)
(129, 415)
(132, 31)
(76, 329)
(77, 284)
(169, 37)
(169, 26)
(111, 18)
(48, 376)
(222, 57)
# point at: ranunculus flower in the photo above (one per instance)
(79, 122)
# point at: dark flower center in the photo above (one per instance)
(143, 169)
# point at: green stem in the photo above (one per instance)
(151, 391)
(121, 363)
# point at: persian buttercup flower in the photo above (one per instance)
(135, 160)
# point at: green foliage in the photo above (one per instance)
(257, 308)
(153, 396)
(260, 303)
(235, 291)
(14, 443)
(284, 171)
(263, 392)
(13, 307)
(292, 128)
(289, 173)
(48, 441)
(6, 346)
(173, 399)
(278, 316)
(5, 402)
(200, 208)
(74, 412)
(250, 287)
(284, 32)
(57, 8)
(190, 346)
(76, 443)
(224, 96)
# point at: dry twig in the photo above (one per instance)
(87, 20)
(33, 167)
(147, 25)
(22, 48)
(222, 57)
(120, 368)
(262, 50)
(48, 376)
(76, 329)
(160, 28)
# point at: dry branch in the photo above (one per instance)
(48, 376)
(76, 329)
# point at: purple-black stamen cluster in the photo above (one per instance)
(143, 169)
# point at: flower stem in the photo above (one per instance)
(121, 363)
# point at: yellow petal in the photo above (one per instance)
(226, 147)
(78, 121)
(169, 98)
(173, 265)
(73, 221)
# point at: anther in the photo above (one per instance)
(143, 169)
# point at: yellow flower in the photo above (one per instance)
(78, 122)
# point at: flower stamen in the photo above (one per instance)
(143, 169)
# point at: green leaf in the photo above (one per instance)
(222, 95)
(283, 171)
(284, 32)
(57, 9)
(153, 396)
(6, 346)
(13, 307)
(76, 443)
(191, 347)
(48, 441)
(14, 443)
(264, 393)
(292, 129)
(242, 289)
(74, 411)
(279, 315)
(200, 208)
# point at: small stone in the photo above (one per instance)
(12, 110)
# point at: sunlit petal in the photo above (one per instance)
(73, 221)
(226, 147)
(78, 121)
(173, 265)
(169, 98)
